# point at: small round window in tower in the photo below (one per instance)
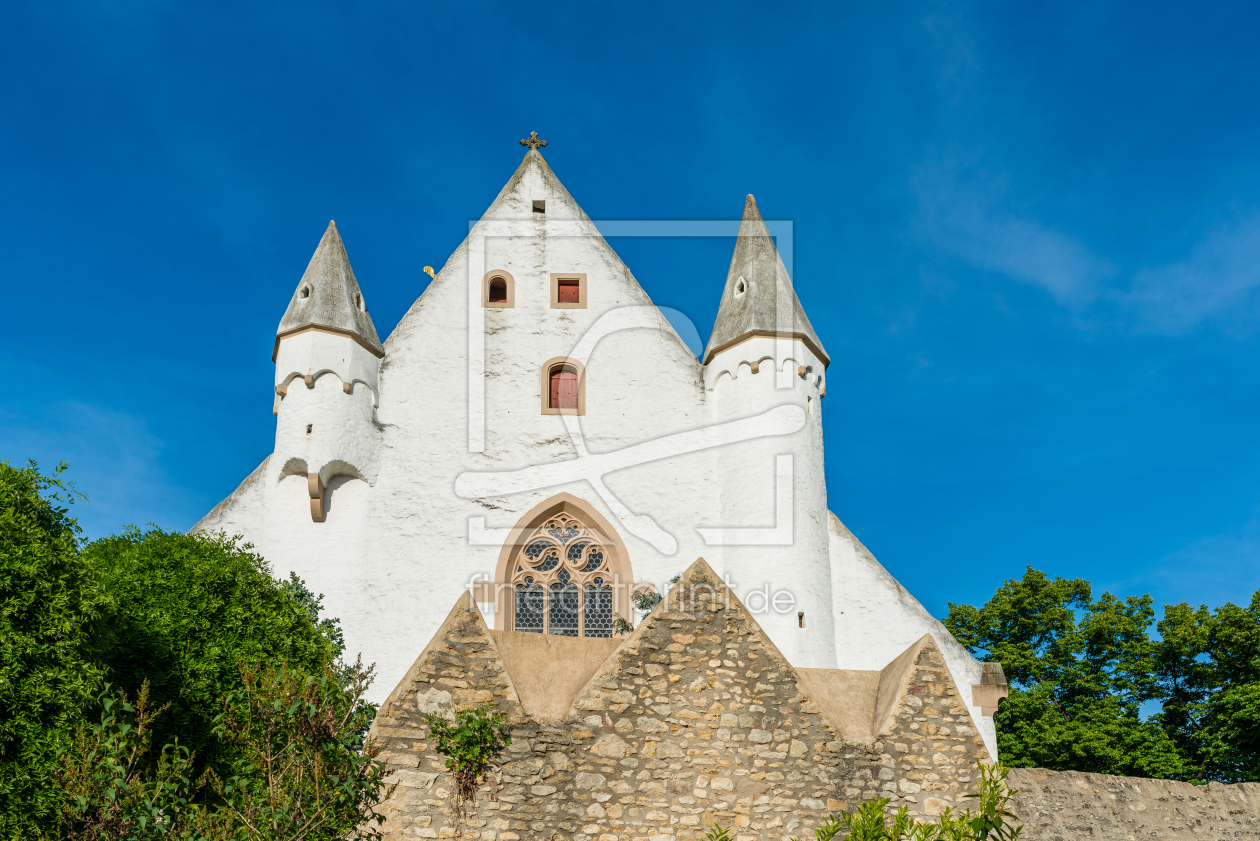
(741, 286)
(358, 302)
(305, 291)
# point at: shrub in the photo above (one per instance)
(300, 770)
(49, 617)
(469, 743)
(187, 611)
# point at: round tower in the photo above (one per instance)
(327, 357)
(772, 543)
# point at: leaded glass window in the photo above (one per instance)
(561, 582)
(599, 609)
(529, 607)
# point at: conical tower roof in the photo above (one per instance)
(328, 296)
(759, 298)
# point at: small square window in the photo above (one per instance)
(540, 206)
(568, 290)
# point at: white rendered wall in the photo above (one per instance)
(394, 551)
(342, 437)
(795, 562)
(877, 619)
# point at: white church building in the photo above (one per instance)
(536, 431)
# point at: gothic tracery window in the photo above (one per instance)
(562, 583)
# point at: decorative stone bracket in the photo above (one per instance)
(991, 689)
(315, 484)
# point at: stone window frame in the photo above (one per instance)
(510, 302)
(556, 277)
(502, 591)
(545, 385)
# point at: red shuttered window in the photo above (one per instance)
(564, 388)
(567, 292)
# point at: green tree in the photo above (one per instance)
(1209, 672)
(1079, 670)
(48, 621)
(187, 611)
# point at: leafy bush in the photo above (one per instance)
(991, 821)
(111, 791)
(469, 743)
(300, 770)
(49, 619)
(186, 612)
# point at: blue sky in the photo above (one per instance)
(1028, 236)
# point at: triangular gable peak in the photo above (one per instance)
(699, 594)
(699, 685)
(512, 214)
(461, 666)
(696, 714)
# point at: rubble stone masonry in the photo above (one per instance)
(695, 719)
(1071, 806)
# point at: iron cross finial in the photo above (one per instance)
(533, 142)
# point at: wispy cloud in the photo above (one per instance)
(967, 215)
(113, 457)
(1224, 565)
(967, 218)
(1220, 278)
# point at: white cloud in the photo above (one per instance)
(966, 219)
(1219, 278)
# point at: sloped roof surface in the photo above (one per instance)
(334, 298)
(767, 302)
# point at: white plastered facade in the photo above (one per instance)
(425, 467)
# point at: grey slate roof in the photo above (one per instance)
(333, 293)
(768, 303)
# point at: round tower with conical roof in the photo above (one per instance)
(764, 357)
(327, 357)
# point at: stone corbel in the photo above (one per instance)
(315, 485)
(992, 688)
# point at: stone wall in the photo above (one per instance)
(695, 719)
(1068, 806)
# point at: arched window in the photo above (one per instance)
(563, 391)
(498, 290)
(562, 581)
(563, 387)
(563, 570)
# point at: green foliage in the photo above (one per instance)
(1209, 674)
(470, 742)
(717, 833)
(185, 613)
(1079, 671)
(48, 621)
(110, 791)
(990, 821)
(299, 769)
(646, 599)
(621, 625)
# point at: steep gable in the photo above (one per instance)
(512, 211)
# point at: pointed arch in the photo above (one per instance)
(565, 564)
